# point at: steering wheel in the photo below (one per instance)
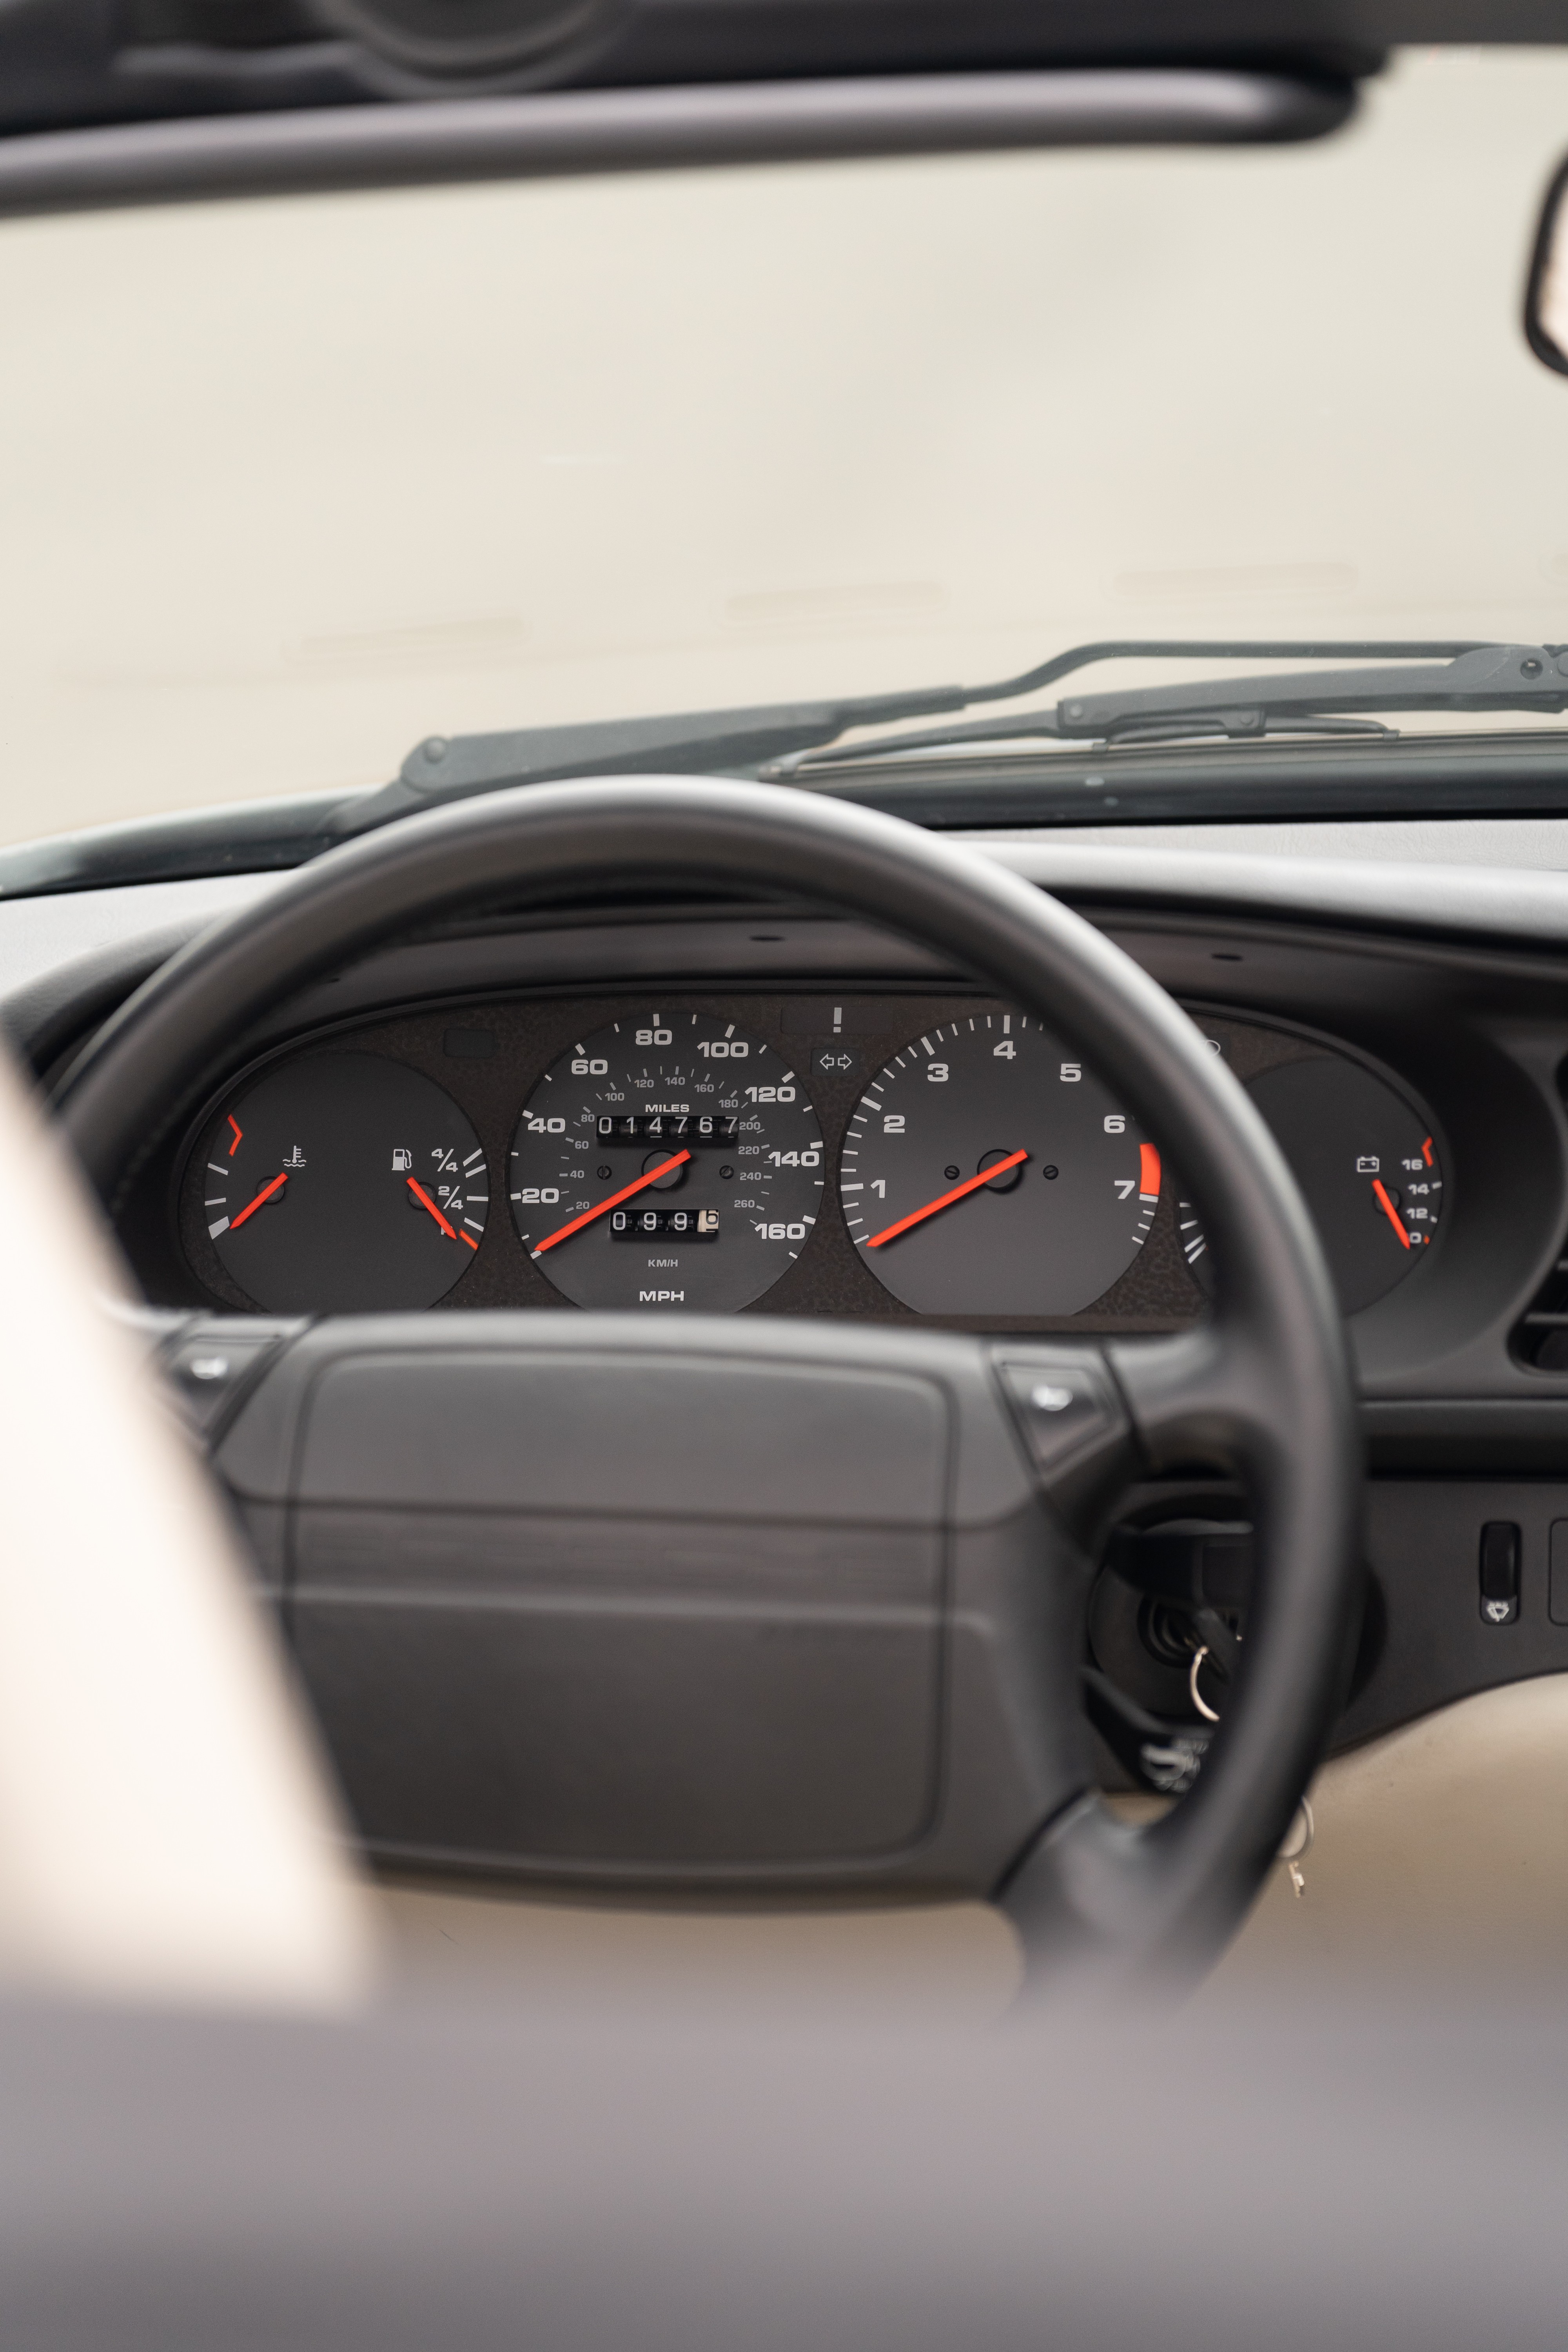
(876, 1688)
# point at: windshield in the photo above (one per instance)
(288, 485)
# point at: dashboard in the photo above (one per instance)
(691, 1107)
(879, 1154)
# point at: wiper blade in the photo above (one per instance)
(1477, 677)
(716, 742)
(1042, 726)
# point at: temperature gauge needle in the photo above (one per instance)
(614, 1202)
(918, 1216)
(1390, 1212)
(422, 1197)
(251, 1206)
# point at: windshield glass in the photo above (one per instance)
(288, 486)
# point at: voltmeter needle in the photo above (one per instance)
(1390, 1212)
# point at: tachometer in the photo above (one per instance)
(345, 1184)
(986, 1171)
(666, 1161)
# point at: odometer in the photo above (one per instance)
(667, 1162)
(986, 1171)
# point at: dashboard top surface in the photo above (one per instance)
(1502, 878)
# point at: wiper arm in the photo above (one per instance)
(720, 741)
(1478, 677)
(1484, 678)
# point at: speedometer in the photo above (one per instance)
(666, 1161)
(988, 1171)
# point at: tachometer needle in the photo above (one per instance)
(251, 1206)
(614, 1202)
(917, 1216)
(1390, 1212)
(422, 1197)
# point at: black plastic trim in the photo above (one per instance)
(1543, 345)
(538, 136)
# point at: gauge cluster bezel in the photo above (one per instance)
(533, 1026)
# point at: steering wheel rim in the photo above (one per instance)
(1262, 1389)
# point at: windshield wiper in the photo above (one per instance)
(1041, 726)
(777, 737)
(1480, 677)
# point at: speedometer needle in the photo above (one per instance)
(615, 1200)
(251, 1206)
(918, 1216)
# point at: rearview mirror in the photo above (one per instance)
(1546, 296)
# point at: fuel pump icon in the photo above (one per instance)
(401, 1160)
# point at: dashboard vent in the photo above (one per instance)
(1541, 1339)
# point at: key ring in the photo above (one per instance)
(1204, 1709)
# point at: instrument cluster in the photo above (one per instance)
(887, 1155)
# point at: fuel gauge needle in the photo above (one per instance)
(614, 1199)
(1390, 1212)
(918, 1216)
(264, 1195)
(422, 1197)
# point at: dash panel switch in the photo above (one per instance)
(1557, 1573)
(1500, 1572)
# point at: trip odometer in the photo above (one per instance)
(986, 1171)
(670, 1160)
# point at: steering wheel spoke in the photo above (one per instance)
(1207, 1397)
(1077, 1431)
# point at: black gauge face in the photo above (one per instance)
(1367, 1166)
(344, 1185)
(669, 1162)
(986, 1171)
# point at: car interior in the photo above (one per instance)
(787, 1514)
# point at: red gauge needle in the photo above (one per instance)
(614, 1202)
(251, 1206)
(917, 1216)
(1390, 1212)
(422, 1197)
